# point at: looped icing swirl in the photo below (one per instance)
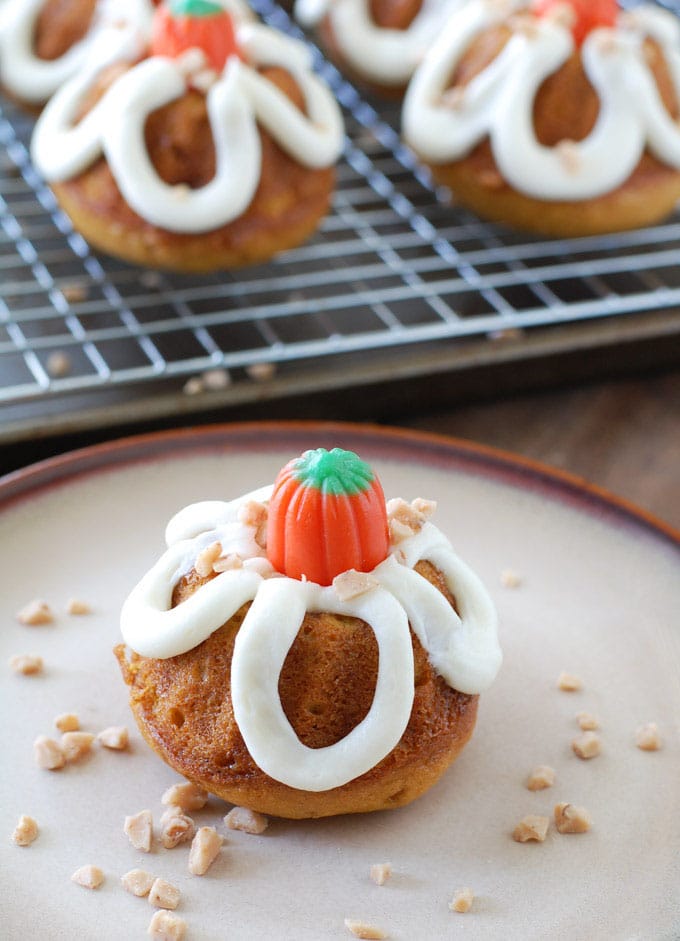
(33, 79)
(379, 54)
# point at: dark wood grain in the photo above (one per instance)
(624, 435)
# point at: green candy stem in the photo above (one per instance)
(195, 8)
(336, 472)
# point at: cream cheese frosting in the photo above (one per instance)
(463, 648)
(237, 101)
(385, 56)
(34, 79)
(498, 102)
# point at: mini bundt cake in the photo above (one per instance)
(557, 116)
(212, 147)
(309, 650)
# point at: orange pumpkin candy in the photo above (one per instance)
(179, 25)
(326, 515)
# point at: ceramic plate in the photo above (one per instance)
(599, 597)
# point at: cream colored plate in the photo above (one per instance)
(600, 597)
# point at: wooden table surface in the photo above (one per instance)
(622, 435)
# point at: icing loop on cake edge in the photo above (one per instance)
(498, 102)
(236, 101)
(35, 79)
(386, 56)
(262, 644)
(463, 649)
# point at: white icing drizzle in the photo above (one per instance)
(462, 648)
(498, 102)
(237, 101)
(386, 56)
(34, 79)
(260, 650)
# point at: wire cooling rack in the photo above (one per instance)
(396, 284)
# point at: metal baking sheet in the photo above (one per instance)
(397, 284)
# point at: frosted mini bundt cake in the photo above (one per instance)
(559, 116)
(43, 43)
(308, 650)
(212, 147)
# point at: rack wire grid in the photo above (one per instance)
(397, 283)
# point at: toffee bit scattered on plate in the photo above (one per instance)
(587, 721)
(249, 821)
(510, 578)
(176, 828)
(139, 830)
(541, 777)
(462, 900)
(185, 796)
(172, 810)
(648, 738)
(569, 683)
(26, 664)
(532, 828)
(90, 877)
(361, 929)
(165, 926)
(67, 722)
(572, 819)
(34, 613)
(380, 873)
(588, 745)
(114, 737)
(25, 831)
(137, 882)
(163, 894)
(48, 753)
(204, 849)
(77, 607)
(75, 745)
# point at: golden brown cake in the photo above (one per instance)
(202, 709)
